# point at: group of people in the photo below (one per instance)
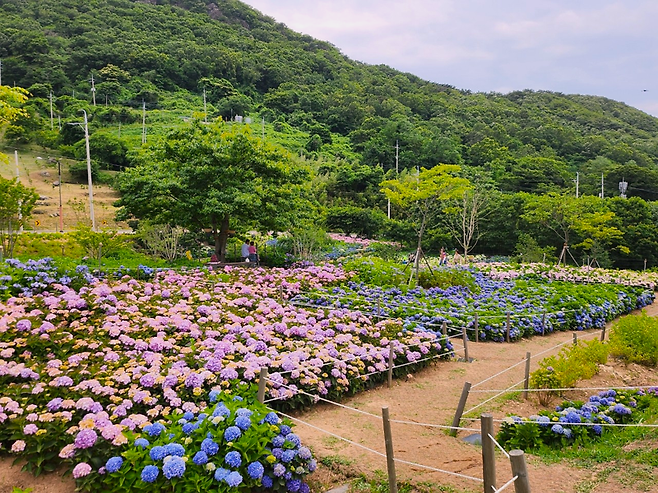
(248, 252)
(443, 257)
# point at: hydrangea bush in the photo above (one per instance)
(563, 427)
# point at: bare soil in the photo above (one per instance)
(41, 173)
(431, 397)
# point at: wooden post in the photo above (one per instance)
(477, 328)
(603, 334)
(543, 323)
(526, 382)
(465, 338)
(575, 338)
(444, 328)
(391, 357)
(460, 408)
(488, 452)
(517, 459)
(262, 382)
(390, 461)
(508, 327)
(280, 294)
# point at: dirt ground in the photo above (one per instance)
(431, 397)
(39, 172)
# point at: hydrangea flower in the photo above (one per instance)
(200, 458)
(233, 479)
(113, 464)
(209, 446)
(232, 433)
(142, 443)
(158, 453)
(221, 473)
(175, 449)
(243, 422)
(255, 470)
(85, 439)
(81, 470)
(150, 473)
(233, 459)
(271, 418)
(154, 429)
(174, 468)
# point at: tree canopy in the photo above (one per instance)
(214, 176)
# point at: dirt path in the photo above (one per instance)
(429, 397)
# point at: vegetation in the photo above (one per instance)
(634, 339)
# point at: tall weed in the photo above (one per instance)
(634, 339)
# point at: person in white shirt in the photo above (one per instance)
(244, 252)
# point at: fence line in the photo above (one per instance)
(492, 398)
(564, 423)
(565, 389)
(377, 452)
(506, 485)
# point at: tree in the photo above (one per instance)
(463, 217)
(588, 217)
(422, 195)
(205, 176)
(11, 100)
(16, 205)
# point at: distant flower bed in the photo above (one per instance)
(575, 423)
(534, 305)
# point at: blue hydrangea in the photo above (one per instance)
(243, 411)
(142, 443)
(233, 459)
(304, 488)
(188, 428)
(233, 479)
(174, 468)
(221, 473)
(598, 429)
(567, 432)
(150, 474)
(543, 420)
(243, 422)
(175, 449)
(573, 417)
(267, 482)
(232, 433)
(113, 464)
(237, 398)
(201, 417)
(304, 453)
(312, 465)
(271, 419)
(154, 429)
(557, 429)
(221, 410)
(293, 485)
(285, 430)
(200, 458)
(213, 395)
(294, 439)
(188, 416)
(621, 409)
(288, 455)
(255, 470)
(278, 441)
(209, 446)
(158, 453)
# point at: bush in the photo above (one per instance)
(374, 270)
(445, 278)
(363, 222)
(634, 339)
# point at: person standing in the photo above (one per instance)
(443, 257)
(253, 256)
(244, 251)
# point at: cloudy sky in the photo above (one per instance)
(597, 47)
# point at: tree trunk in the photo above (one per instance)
(222, 239)
(215, 235)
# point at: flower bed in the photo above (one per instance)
(535, 306)
(573, 422)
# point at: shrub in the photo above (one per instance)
(374, 270)
(634, 339)
(445, 278)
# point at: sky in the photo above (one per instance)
(595, 47)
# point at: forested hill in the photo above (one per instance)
(167, 52)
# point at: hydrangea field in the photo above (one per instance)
(143, 380)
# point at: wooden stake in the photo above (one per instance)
(488, 452)
(517, 459)
(390, 460)
(460, 408)
(603, 334)
(465, 338)
(575, 338)
(526, 382)
(444, 328)
(391, 363)
(262, 382)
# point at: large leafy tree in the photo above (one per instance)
(11, 107)
(210, 176)
(16, 204)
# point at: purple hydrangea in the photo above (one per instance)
(293, 485)
(267, 482)
(85, 439)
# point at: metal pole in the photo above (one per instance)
(517, 459)
(460, 408)
(262, 381)
(488, 452)
(390, 460)
(526, 382)
(20, 202)
(91, 189)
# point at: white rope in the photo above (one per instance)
(497, 374)
(564, 389)
(506, 485)
(498, 445)
(376, 452)
(492, 398)
(613, 425)
(445, 427)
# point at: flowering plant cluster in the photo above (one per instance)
(535, 306)
(232, 443)
(575, 422)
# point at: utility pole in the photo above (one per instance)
(602, 185)
(51, 111)
(61, 215)
(91, 190)
(20, 202)
(0, 72)
(93, 90)
(143, 122)
(262, 128)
